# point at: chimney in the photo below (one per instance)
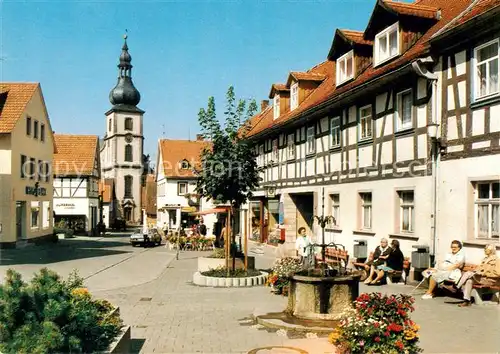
(264, 104)
(199, 137)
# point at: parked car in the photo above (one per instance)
(152, 237)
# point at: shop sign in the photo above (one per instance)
(36, 191)
(65, 205)
(188, 209)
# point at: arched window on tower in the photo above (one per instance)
(128, 186)
(128, 153)
(129, 124)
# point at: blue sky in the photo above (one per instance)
(182, 52)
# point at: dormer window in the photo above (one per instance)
(386, 44)
(184, 165)
(276, 106)
(345, 67)
(294, 96)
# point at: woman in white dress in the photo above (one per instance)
(450, 269)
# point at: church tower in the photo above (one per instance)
(122, 151)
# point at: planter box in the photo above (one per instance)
(205, 263)
(122, 343)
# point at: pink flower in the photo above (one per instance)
(361, 343)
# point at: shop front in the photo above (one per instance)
(78, 214)
(265, 220)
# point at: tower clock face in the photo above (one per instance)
(128, 138)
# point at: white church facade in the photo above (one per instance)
(122, 146)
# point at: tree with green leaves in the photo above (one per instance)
(228, 172)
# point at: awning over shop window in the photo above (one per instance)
(188, 209)
(210, 211)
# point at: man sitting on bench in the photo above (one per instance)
(393, 262)
(486, 274)
(381, 251)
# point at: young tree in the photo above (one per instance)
(229, 171)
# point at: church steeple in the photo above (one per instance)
(124, 93)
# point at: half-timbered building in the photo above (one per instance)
(351, 137)
(468, 138)
(76, 182)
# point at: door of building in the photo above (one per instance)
(20, 220)
(128, 214)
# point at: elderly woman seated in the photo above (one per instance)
(449, 270)
(393, 262)
(486, 274)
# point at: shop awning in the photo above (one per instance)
(210, 211)
(188, 209)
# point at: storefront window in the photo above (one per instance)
(255, 215)
(35, 212)
(272, 225)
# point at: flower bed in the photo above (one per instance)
(221, 272)
(378, 324)
(219, 278)
(283, 269)
(49, 315)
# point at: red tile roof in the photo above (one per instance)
(412, 9)
(304, 76)
(355, 37)
(350, 37)
(327, 91)
(477, 8)
(14, 98)
(76, 154)
(277, 88)
(173, 152)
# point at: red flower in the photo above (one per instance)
(387, 334)
(394, 327)
(376, 325)
(399, 344)
(402, 313)
(377, 339)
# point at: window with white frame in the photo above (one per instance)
(486, 59)
(404, 110)
(365, 122)
(276, 106)
(345, 67)
(35, 214)
(386, 44)
(294, 96)
(182, 188)
(366, 210)
(335, 132)
(311, 141)
(290, 147)
(261, 155)
(275, 151)
(406, 211)
(487, 211)
(335, 198)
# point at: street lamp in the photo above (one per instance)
(438, 147)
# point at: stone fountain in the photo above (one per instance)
(318, 295)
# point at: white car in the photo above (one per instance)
(151, 237)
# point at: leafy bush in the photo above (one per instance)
(50, 315)
(218, 253)
(378, 324)
(221, 272)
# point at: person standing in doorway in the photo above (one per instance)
(303, 250)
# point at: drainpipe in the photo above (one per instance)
(420, 66)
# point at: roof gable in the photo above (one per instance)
(303, 76)
(387, 12)
(14, 97)
(76, 154)
(345, 40)
(278, 88)
(173, 152)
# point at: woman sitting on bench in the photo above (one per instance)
(486, 274)
(393, 262)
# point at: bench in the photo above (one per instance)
(333, 257)
(479, 290)
(391, 277)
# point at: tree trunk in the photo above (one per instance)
(226, 240)
(233, 237)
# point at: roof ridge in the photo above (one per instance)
(453, 20)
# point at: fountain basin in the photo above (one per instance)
(316, 297)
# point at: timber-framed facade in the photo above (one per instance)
(360, 149)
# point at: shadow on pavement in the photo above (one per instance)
(136, 345)
(64, 250)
